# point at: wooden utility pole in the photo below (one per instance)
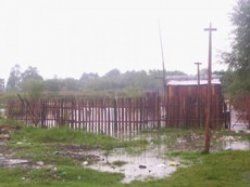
(199, 93)
(208, 124)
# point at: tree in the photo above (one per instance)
(31, 73)
(53, 85)
(33, 89)
(1, 85)
(112, 74)
(238, 59)
(13, 82)
(30, 80)
(136, 80)
(237, 77)
(87, 79)
(70, 84)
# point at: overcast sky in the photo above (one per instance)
(69, 37)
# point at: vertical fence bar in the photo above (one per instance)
(115, 117)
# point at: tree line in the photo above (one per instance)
(237, 77)
(130, 82)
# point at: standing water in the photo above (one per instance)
(144, 166)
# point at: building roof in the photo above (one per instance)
(191, 82)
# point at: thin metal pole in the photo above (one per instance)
(163, 63)
(163, 76)
(209, 92)
(199, 93)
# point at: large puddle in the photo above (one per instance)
(7, 162)
(152, 163)
(232, 143)
(221, 144)
(145, 166)
(237, 123)
(237, 145)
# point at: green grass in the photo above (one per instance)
(11, 123)
(172, 138)
(44, 144)
(70, 136)
(228, 168)
(119, 163)
(66, 176)
(190, 156)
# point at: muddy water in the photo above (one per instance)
(7, 162)
(233, 143)
(147, 165)
(237, 145)
(152, 164)
(221, 144)
(237, 123)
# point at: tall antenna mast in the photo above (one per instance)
(163, 64)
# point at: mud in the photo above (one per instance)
(81, 153)
(5, 157)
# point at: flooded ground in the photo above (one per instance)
(5, 157)
(237, 145)
(153, 162)
(150, 164)
(6, 162)
(232, 143)
(238, 124)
